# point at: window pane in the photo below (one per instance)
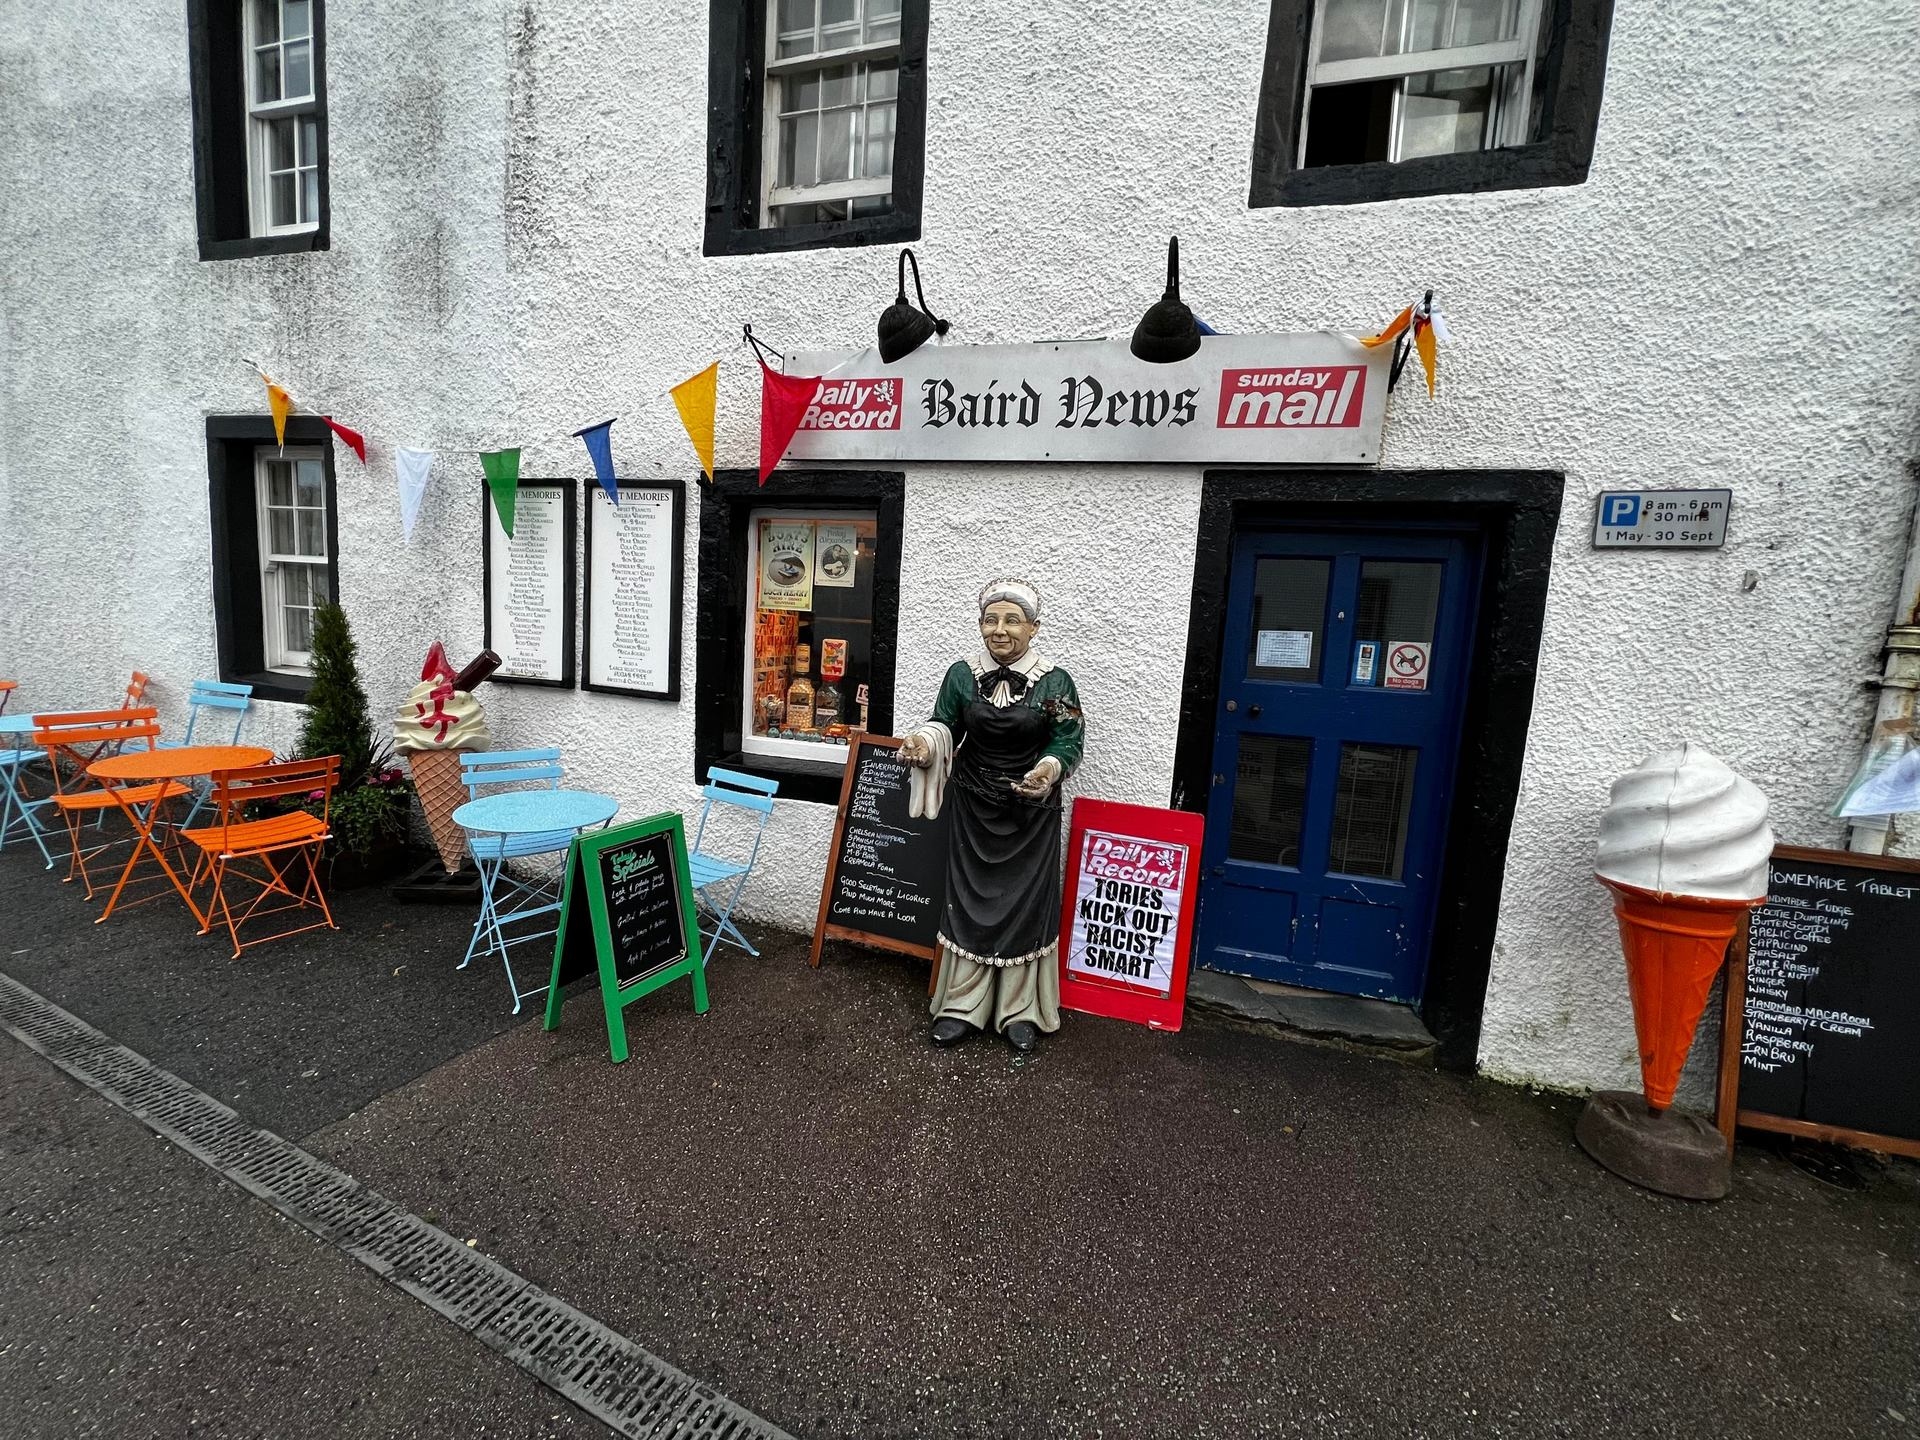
(1416, 25)
(1399, 600)
(1371, 803)
(280, 145)
(298, 23)
(299, 70)
(838, 15)
(317, 582)
(1289, 610)
(279, 482)
(1481, 22)
(282, 210)
(810, 594)
(1351, 29)
(836, 86)
(879, 147)
(309, 478)
(309, 196)
(797, 163)
(266, 21)
(882, 32)
(1445, 113)
(1269, 796)
(280, 531)
(299, 629)
(309, 141)
(836, 145)
(883, 81)
(294, 589)
(1351, 124)
(802, 93)
(266, 74)
(863, 206)
(796, 16)
(313, 532)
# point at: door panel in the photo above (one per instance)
(1345, 667)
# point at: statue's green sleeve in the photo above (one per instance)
(950, 708)
(1069, 729)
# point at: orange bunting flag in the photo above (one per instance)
(279, 402)
(694, 398)
(1429, 357)
(1393, 331)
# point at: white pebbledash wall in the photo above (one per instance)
(518, 196)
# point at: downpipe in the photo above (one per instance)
(1899, 685)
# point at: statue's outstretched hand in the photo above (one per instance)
(1037, 781)
(914, 751)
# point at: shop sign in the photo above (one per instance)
(1127, 925)
(1314, 399)
(1662, 519)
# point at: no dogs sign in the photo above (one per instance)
(1407, 664)
(1131, 874)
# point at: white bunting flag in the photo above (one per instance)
(411, 468)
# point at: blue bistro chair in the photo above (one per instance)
(222, 699)
(711, 870)
(492, 771)
(16, 807)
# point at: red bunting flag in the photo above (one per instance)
(783, 401)
(353, 439)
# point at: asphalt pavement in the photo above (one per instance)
(794, 1198)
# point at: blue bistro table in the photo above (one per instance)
(513, 826)
(16, 810)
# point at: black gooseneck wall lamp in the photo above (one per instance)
(1168, 331)
(904, 329)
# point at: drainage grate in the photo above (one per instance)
(601, 1371)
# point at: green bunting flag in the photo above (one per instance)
(503, 479)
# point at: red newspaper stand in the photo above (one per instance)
(1127, 923)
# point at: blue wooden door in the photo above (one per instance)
(1343, 669)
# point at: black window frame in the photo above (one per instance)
(1576, 69)
(221, 177)
(736, 107)
(720, 634)
(239, 616)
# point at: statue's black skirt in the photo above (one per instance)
(1003, 865)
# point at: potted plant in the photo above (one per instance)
(369, 815)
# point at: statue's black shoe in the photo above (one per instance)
(1024, 1036)
(949, 1031)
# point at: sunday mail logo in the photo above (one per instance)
(1305, 397)
(854, 405)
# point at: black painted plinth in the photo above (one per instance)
(431, 884)
(1676, 1153)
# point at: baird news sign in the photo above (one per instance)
(1318, 399)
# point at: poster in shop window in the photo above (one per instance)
(1127, 925)
(786, 564)
(835, 548)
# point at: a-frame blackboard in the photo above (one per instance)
(627, 911)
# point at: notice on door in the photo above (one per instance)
(1283, 649)
(1129, 911)
(1407, 662)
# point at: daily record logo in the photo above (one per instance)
(1307, 397)
(854, 405)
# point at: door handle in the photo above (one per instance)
(1253, 712)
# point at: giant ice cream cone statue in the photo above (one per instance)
(1684, 845)
(438, 722)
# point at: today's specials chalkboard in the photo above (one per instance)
(886, 882)
(627, 911)
(1828, 1018)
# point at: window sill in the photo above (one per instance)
(254, 245)
(814, 780)
(1518, 167)
(725, 238)
(274, 685)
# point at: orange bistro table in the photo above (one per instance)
(181, 763)
(7, 687)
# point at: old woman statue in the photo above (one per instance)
(1005, 732)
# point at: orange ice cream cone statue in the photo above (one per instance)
(1684, 847)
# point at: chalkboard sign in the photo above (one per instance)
(1823, 1003)
(886, 881)
(627, 911)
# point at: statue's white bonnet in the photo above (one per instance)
(1026, 596)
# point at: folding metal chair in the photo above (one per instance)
(72, 742)
(495, 771)
(16, 805)
(712, 870)
(209, 695)
(135, 694)
(280, 844)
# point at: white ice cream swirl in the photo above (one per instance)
(1682, 823)
(456, 722)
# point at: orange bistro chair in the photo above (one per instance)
(135, 695)
(282, 844)
(72, 741)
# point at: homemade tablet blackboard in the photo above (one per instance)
(886, 881)
(1823, 1004)
(627, 910)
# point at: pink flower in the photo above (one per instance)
(316, 795)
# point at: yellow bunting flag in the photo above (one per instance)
(1423, 341)
(280, 403)
(694, 398)
(1392, 332)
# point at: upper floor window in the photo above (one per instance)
(259, 125)
(1382, 99)
(816, 121)
(283, 129)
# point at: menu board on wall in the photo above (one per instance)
(1821, 1016)
(634, 589)
(529, 584)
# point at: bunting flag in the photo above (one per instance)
(599, 442)
(503, 479)
(1395, 329)
(1428, 326)
(783, 401)
(411, 468)
(353, 439)
(694, 398)
(279, 402)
